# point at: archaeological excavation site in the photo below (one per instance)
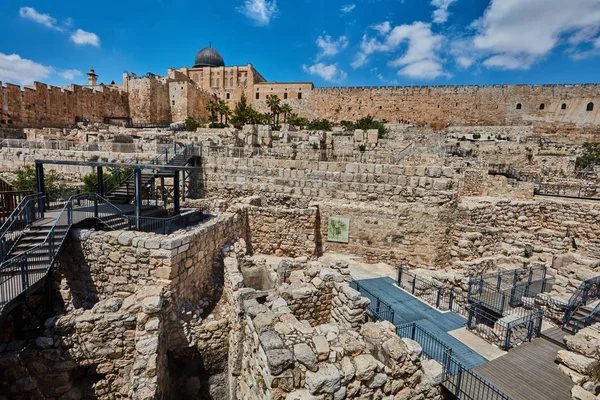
(211, 235)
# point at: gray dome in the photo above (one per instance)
(209, 57)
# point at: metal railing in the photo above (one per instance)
(379, 309)
(19, 273)
(591, 319)
(468, 385)
(30, 209)
(587, 290)
(581, 191)
(504, 331)
(458, 379)
(438, 296)
(432, 347)
(505, 291)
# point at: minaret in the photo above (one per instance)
(92, 77)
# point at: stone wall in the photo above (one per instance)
(275, 354)
(491, 233)
(581, 362)
(42, 105)
(459, 105)
(283, 232)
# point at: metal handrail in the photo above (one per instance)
(588, 320)
(22, 216)
(581, 296)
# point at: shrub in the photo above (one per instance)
(320, 125)
(476, 136)
(191, 124)
(589, 157)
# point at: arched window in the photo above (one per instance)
(212, 82)
(542, 106)
(217, 82)
(195, 77)
(228, 96)
(590, 107)
(519, 106)
(230, 81)
(564, 106)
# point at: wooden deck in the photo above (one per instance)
(528, 372)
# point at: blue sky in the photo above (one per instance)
(330, 43)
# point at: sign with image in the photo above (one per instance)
(338, 229)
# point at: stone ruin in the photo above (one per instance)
(193, 315)
(306, 338)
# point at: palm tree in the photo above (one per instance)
(226, 111)
(212, 107)
(273, 102)
(285, 109)
(221, 108)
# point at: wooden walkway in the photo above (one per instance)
(528, 372)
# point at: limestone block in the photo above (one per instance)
(365, 365)
(326, 380)
(270, 340)
(304, 354)
(579, 393)
(577, 362)
(279, 360)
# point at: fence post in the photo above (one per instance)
(378, 305)
(506, 346)
(499, 281)
(413, 284)
(530, 329)
(24, 274)
(437, 300)
(450, 303)
(469, 288)
(413, 331)
(95, 206)
(459, 381)
(503, 299)
(399, 279)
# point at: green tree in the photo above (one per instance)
(273, 102)
(285, 110)
(26, 181)
(191, 124)
(212, 107)
(589, 157)
(242, 113)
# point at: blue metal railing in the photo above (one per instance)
(592, 318)
(587, 290)
(459, 380)
(379, 309)
(442, 298)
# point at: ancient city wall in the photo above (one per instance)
(43, 105)
(459, 105)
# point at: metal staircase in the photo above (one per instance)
(119, 188)
(577, 309)
(32, 250)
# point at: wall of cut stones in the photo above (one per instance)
(417, 199)
(283, 232)
(144, 317)
(282, 355)
(581, 362)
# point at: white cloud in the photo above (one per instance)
(82, 37)
(383, 28)
(440, 15)
(331, 47)
(19, 70)
(260, 11)
(44, 19)
(387, 81)
(348, 8)
(464, 62)
(515, 34)
(71, 74)
(420, 59)
(329, 73)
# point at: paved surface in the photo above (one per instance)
(410, 309)
(528, 372)
(490, 352)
